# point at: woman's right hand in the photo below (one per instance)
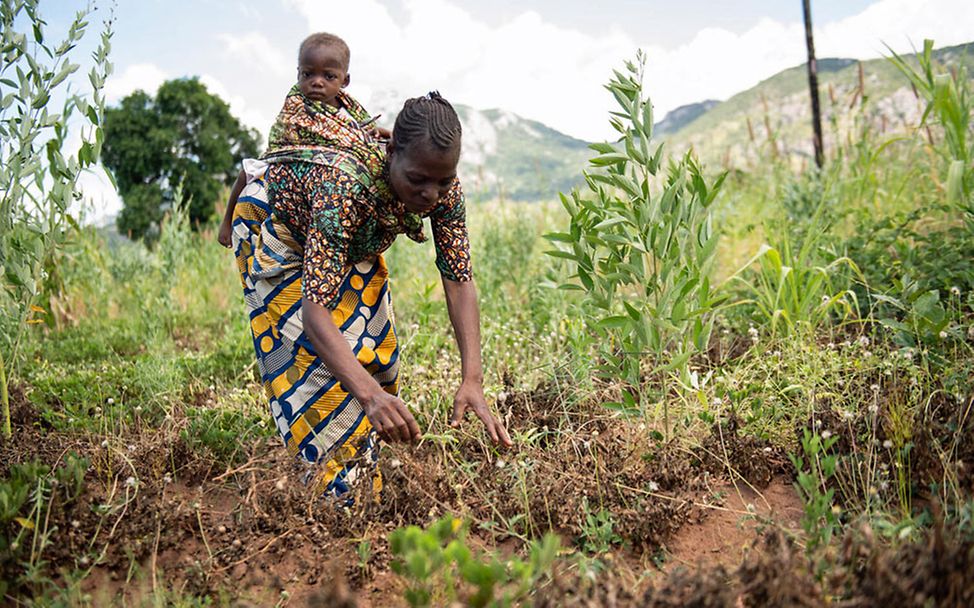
(390, 418)
(223, 236)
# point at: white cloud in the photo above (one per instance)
(140, 76)
(99, 199)
(259, 54)
(553, 74)
(239, 107)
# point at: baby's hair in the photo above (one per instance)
(326, 39)
(430, 116)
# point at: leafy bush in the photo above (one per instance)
(27, 495)
(642, 248)
(40, 178)
(441, 568)
(223, 433)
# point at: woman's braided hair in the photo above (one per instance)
(431, 118)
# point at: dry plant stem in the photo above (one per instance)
(206, 543)
(5, 397)
(246, 467)
(155, 550)
(735, 474)
(264, 549)
(702, 505)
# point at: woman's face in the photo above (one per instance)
(421, 174)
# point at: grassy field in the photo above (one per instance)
(818, 448)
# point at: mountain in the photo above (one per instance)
(507, 156)
(778, 109)
(680, 117)
(511, 157)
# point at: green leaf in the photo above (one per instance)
(614, 322)
(555, 253)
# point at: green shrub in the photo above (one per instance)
(642, 248)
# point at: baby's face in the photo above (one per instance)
(322, 73)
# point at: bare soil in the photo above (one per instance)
(708, 526)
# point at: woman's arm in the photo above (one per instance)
(387, 413)
(461, 303)
(226, 226)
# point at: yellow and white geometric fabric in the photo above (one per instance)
(317, 419)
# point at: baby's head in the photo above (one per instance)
(323, 67)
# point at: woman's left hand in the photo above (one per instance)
(470, 395)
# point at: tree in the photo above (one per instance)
(184, 134)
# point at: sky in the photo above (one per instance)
(541, 59)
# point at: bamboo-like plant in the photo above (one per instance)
(950, 103)
(641, 245)
(38, 177)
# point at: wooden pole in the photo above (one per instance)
(813, 84)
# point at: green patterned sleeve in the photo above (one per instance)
(449, 221)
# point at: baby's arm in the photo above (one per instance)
(226, 227)
(381, 133)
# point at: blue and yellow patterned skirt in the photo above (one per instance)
(319, 422)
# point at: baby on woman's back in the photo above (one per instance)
(317, 112)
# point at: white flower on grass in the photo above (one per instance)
(874, 388)
(502, 397)
(826, 434)
(501, 463)
(825, 299)
(863, 341)
(847, 415)
(888, 444)
(873, 409)
(955, 291)
(104, 443)
(752, 331)
(717, 401)
(131, 482)
(653, 486)
(167, 478)
(943, 335)
(111, 401)
(595, 433)
(830, 346)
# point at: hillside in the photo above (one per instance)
(510, 157)
(739, 126)
(506, 156)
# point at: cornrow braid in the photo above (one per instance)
(431, 118)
